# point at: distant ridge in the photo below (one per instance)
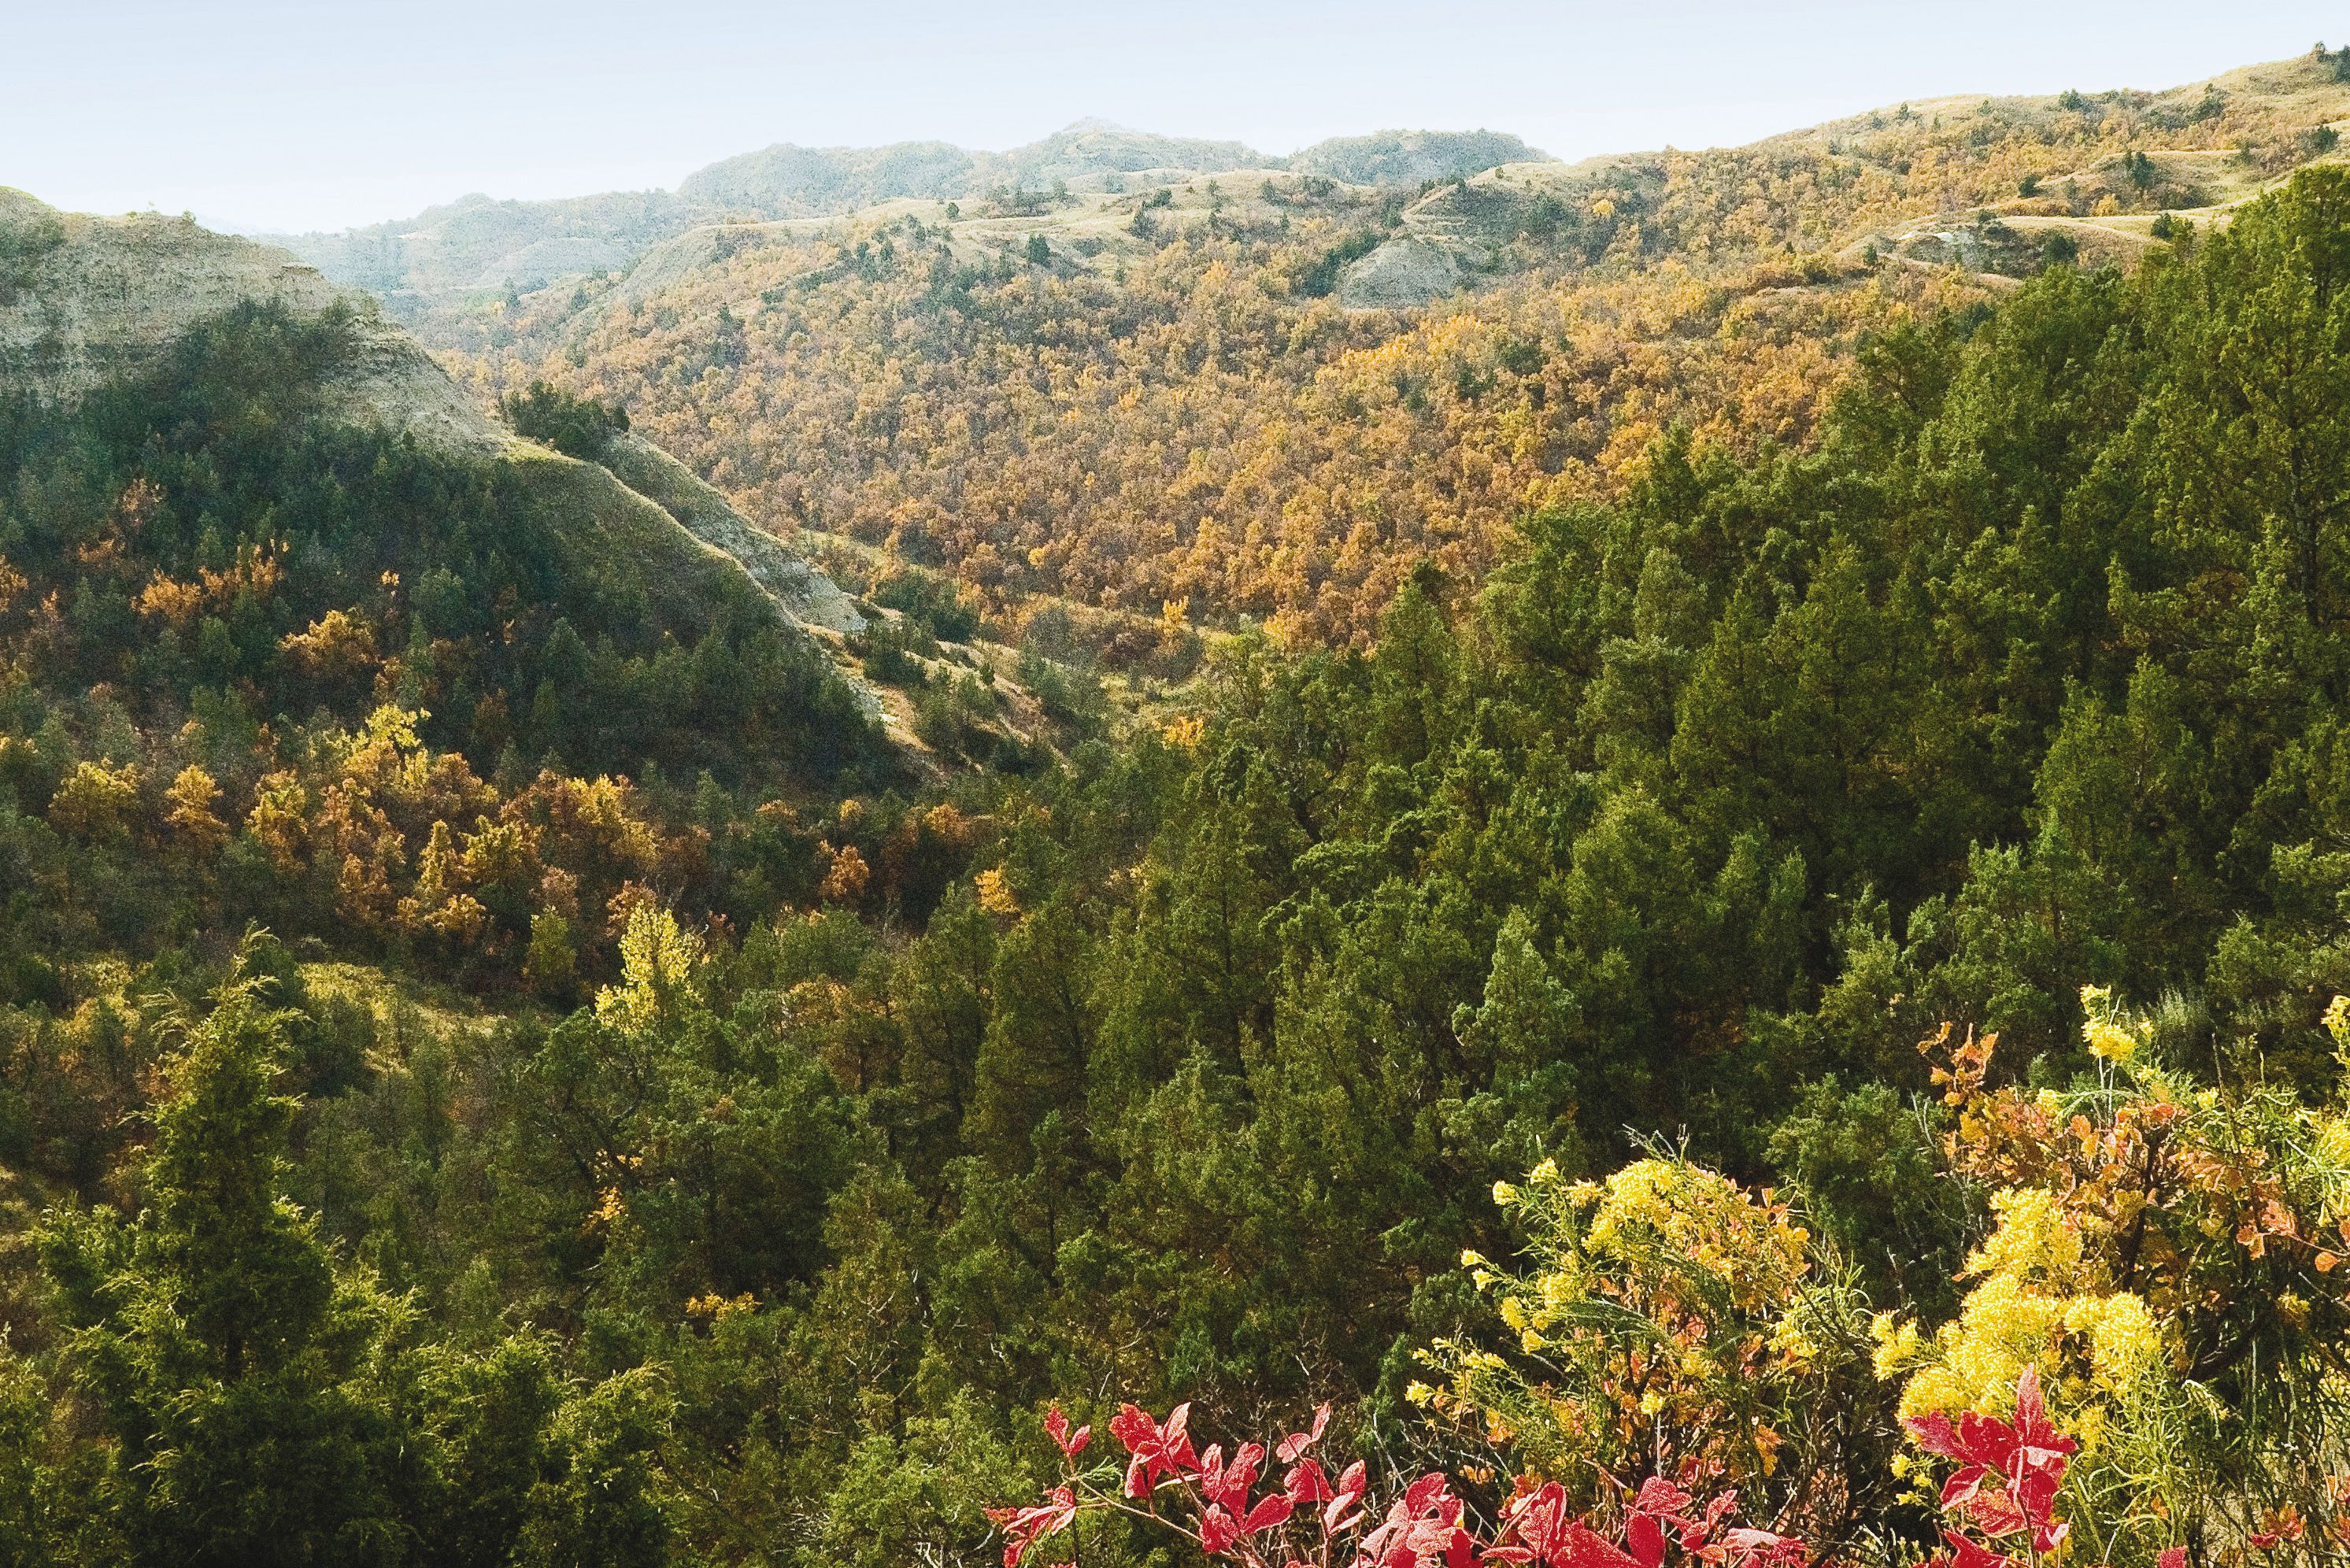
(788, 181)
(1410, 157)
(476, 244)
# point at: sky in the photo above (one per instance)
(273, 115)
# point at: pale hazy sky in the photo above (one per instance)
(278, 114)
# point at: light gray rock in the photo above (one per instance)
(1401, 274)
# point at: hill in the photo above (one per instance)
(476, 245)
(1597, 908)
(1266, 394)
(1409, 158)
(91, 304)
(1779, 609)
(798, 182)
(257, 539)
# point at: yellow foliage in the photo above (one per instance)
(280, 817)
(2111, 1036)
(338, 646)
(657, 963)
(174, 603)
(946, 825)
(438, 901)
(96, 801)
(1674, 1310)
(189, 799)
(1244, 448)
(995, 894)
(502, 852)
(845, 876)
(2040, 1301)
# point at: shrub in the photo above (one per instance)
(577, 427)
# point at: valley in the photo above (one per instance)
(1136, 853)
(1013, 386)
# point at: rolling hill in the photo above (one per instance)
(501, 1061)
(475, 246)
(1267, 392)
(242, 394)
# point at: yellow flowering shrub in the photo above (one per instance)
(1668, 1318)
(2040, 1301)
(2167, 1256)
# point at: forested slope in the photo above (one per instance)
(267, 567)
(730, 1170)
(1267, 394)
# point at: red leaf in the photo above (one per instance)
(1157, 1451)
(1933, 1433)
(1966, 1553)
(1341, 1514)
(1217, 1531)
(1539, 1520)
(1275, 1510)
(1133, 1426)
(1297, 1443)
(1961, 1488)
(1305, 1483)
(1761, 1546)
(1058, 1426)
(1661, 1497)
(1646, 1538)
(1024, 1527)
(2033, 1427)
(1994, 1514)
(1582, 1549)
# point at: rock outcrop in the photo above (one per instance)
(86, 300)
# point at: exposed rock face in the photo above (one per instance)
(811, 598)
(87, 299)
(1400, 275)
(84, 300)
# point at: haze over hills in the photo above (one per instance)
(478, 244)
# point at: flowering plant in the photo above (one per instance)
(1673, 1322)
(1308, 1520)
(2165, 1265)
(2005, 1489)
